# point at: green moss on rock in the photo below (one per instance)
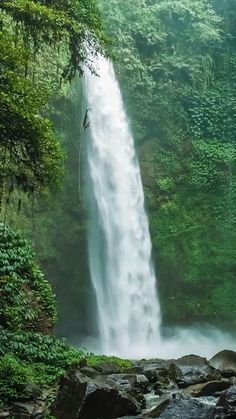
(102, 359)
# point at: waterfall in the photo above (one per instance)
(119, 242)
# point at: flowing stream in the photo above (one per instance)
(119, 241)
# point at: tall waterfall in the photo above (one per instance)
(119, 240)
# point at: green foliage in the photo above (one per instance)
(41, 45)
(30, 153)
(213, 114)
(15, 378)
(34, 360)
(161, 58)
(45, 349)
(37, 347)
(27, 301)
(76, 23)
(100, 359)
(21, 380)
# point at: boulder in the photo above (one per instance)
(107, 404)
(207, 389)
(89, 372)
(155, 369)
(188, 409)
(81, 397)
(192, 369)
(107, 368)
(135, 385)
(129, 381)
(71, 394)
(224, 361)
(227, 402)
(135, 369)
(161, 405)
(141, 382)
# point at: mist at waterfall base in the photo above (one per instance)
(121, 269)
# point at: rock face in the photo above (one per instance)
(82, 397)
(224, 361)
(192, 369)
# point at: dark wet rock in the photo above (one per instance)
(227, 401)
(107, 368)
(192, 369)
(135, 369)
(207, 389)
(5, 414)
(141, 382)
(129, 381)
(161, 405)
(107, 404)
(224, 361)
(155, 369)
(81, 397)
(188, 409)
(151, 375)
(158, 389)
(89, 372)
(135, 385)
(70, 397)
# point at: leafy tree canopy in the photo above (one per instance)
(40, 42)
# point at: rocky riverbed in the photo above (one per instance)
(190, 387)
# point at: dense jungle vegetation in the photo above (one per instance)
(175, 61)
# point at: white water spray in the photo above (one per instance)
(119, 241)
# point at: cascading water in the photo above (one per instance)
(119, 241)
